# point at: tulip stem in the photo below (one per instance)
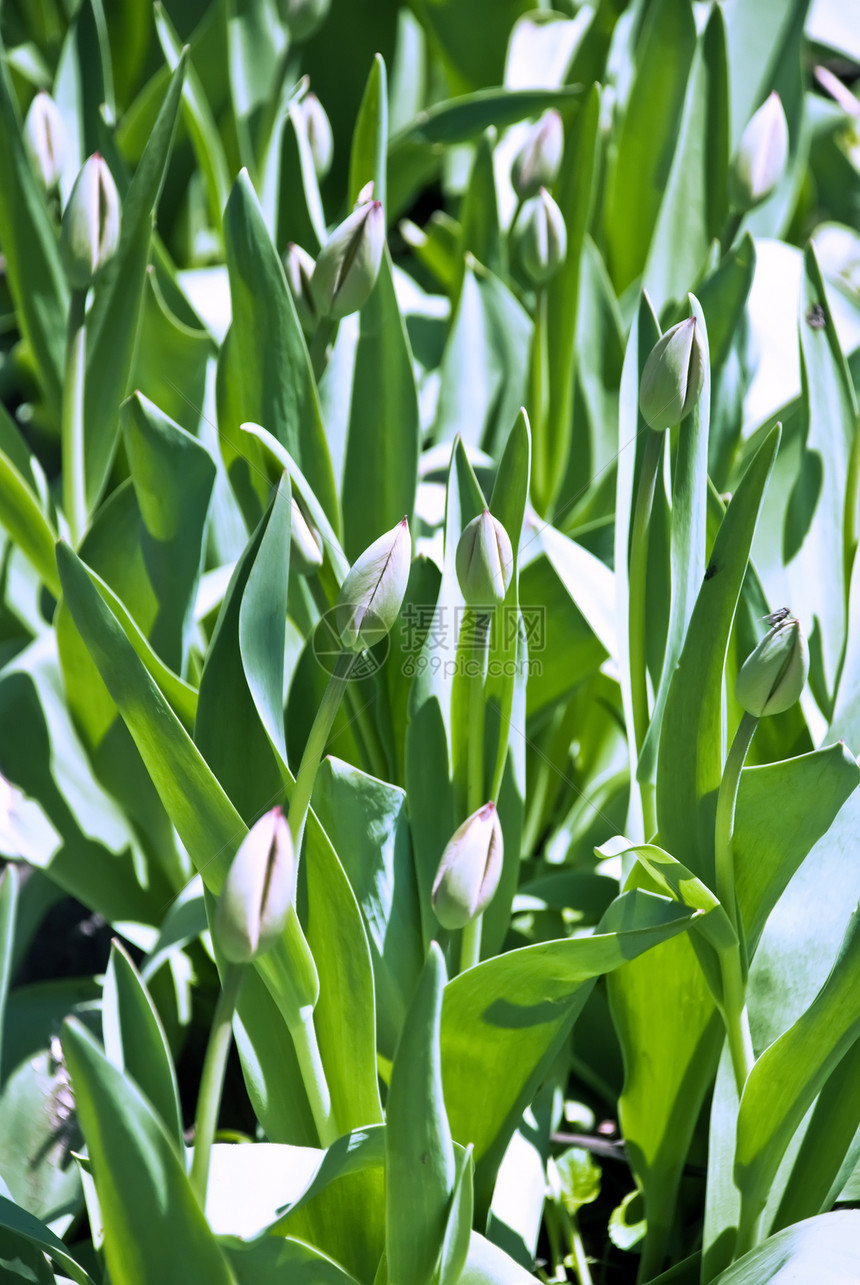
(72, 426)
(323, 337)
(300, 800)
(470, 945)
(636, 609)
(735, 1016)
(538, 404)
(306, 1045)
(212, 1079)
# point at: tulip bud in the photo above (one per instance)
(320, 137)
(772, 677)
(673, 377)
(373, 589)
(299, 268)
(254, 903)
(470, 869)
(348, 264)
(761, 157)
(90, 232)
(537, 162)
(484, 561)
(304, 17)
(45, 139)
(306, 546)
(540, 237)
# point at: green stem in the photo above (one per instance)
(735, 1016)
(538, 394)
(470, 945)
(323, 336)
(636, 609)
(72, 426)
(304, 1037)
(316, 742)
(212, 1079)
(577, 1249)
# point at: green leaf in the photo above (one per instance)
(480, 232)
(574, 189)
(384, 426)
(140, 1176)
(789, 1074)
(822, 1249)
(8, 905)
(270, 1262)
(818, 524)
(473, 62)
(17, 1220)
(268, 357)
(690, 766)
(458, 1231)
(640, 170)
(783, 809)
(112, 323)
(504, 1021)
(580, 1178)
(25, 521)
(135, 1041)
(419, 1154)
(367, 823)
(199, 120)
(369, 153)
(36, 280)
(694, 205)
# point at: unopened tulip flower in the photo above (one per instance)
(299, 268)
(537, 162)
(470, 869)
(90, 232)
(45, 139)
(540, 237)
(348, 264)
(773, 675)
(372, 591)
(673, 377)
(320, 137)
(254, 903)
(762, 155)
(484, 561)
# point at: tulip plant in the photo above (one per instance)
(429, 643)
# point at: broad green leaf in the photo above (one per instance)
(787, 1077)
(458, 1231)
(574, 189)
(369, 154)
(38, 1132)
(135, 1042)
(824, 1249)
(755, 44)
(36, 280)
(783, 809)
(816, 535)
(383, 429)
(687, 545)
(419, 1153)
(694, 205)
(256, 43)
(640, 170)
(112, 323)
(504, 1021)
(140, 1176)
(367, 824)
(270, 1262)
(173, 354)
(25, 521)
(22, 1224)
(83, 87)
(290, 194)
(93, 852)
(268, 357)
(690, 765)
(483, 368)
(486, 1264)
(473, 62)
